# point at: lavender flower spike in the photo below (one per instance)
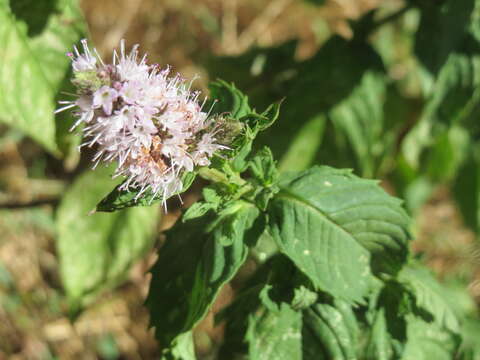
(138, 115)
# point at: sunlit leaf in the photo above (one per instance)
(96, 251)
(35, 36)
(337, 228)
(275, 334)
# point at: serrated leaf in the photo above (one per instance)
(379, 344)
(329, 332)
(230, 99)
(263, 300)
(262, 166)
(212, 201)
(96, 251)
(233, 104)
(268, 117)
(337, 228)
(429, 341)
(121, 199)
(386, 324)
(34, 37)
(275, 335)
(429, 295)
(198, 258)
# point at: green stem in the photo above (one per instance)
(216, 176)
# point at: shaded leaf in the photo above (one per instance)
(198, 258)
(330, 332)
(275, 334)
(429, 341)
(319, 84)
(466, 189)
(429, 295)
(443, 26)
(387, 327)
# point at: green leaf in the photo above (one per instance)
(263, 73)
(429, 341)
(264, 177)
(261, 308)
(386, 325)
(337, 228)
(254, 124)
(230, 99)
(470, 348)
(330, 332)
(121, 199)
(429, 296)
(263, 167)
(447, 154)
(303, 297)
(317, 85)
(361, 119)
(96, 251)
(455, 100)
(275, 334)
(181, 349)
(304, 146)
(379, 344)
(212, 202)
(233, 105)
(198, 258)
(35, 36)
(466, 189)
(443, 27)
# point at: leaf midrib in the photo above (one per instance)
(285, 193)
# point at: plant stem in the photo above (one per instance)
(216, 176)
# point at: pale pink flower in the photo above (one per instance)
(150, 123)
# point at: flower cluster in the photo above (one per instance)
(138, 115)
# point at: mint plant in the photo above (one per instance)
(326, 249)
(336, 281)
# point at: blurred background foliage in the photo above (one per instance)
(389, 88)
